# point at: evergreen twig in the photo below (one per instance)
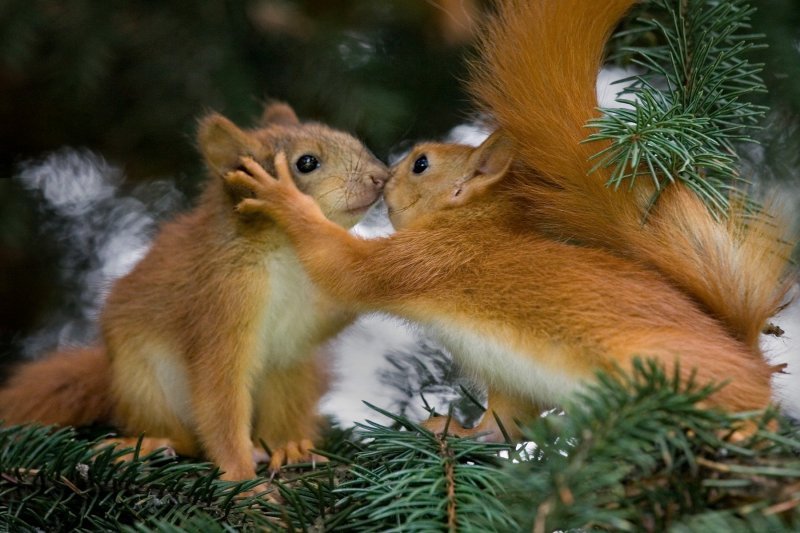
(637, 453)
(52, 481)
(689, 107)
(413, 480)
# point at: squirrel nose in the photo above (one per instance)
(379, 180)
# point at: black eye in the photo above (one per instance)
(307, 163)
(421, 164)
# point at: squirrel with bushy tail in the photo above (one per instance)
(520, 260)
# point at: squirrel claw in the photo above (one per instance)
(241, 179)
(293, 452)
(250, 206)
(255, 171)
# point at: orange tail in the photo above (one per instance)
(536, 76)
(68, 388)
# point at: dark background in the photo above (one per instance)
(129, 79)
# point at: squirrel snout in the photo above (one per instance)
(379, 180)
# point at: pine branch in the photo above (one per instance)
(632, 453)
(636, 453)
(689, 107)
(50, 480)
(413, 480)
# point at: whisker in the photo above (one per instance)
(402, 209)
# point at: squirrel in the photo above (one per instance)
(522, 263)
(211, 344)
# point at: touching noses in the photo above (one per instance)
(379, 178)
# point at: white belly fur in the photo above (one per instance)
(295, 312)
(496, 362)
(171, 373)
(290, 326)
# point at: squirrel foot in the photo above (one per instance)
(266, 491)
(149, 445)
(292, 452)
(275, 196)
(438, 424)
(747, 429)
(486, 431)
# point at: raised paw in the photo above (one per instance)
(271, 195)
(293, 452)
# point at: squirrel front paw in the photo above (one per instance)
(254, 182)
(278, 198)
(270, 195)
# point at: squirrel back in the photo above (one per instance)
(736, 268)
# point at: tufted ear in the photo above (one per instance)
(222, 143)
(279, 113)
(487, 165)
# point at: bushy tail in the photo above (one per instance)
(70, 387)
(536, 76)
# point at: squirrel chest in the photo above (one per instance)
(296, 316)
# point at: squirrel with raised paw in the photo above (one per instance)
(210, 345)
(519, 259)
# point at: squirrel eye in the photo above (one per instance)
(307, 163)
(421, 164)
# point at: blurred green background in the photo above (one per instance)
(129, 79)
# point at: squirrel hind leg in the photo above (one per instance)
(287, 420)
(505, 411)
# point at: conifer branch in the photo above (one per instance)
(689, 107)
(636, 453)
(51, 480)
(413, 480)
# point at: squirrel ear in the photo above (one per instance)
(222, 143)
(494, 156)
(489, 162)
(279, 113)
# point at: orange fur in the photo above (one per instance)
(70, 387)
(535, 52)
(213, 338)
(532, 317)
(475, 262)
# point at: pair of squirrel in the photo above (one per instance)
(212, 344)
(519, 259)
(513, 255)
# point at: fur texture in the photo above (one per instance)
(736, 269)
(68, 388)
(211, 343)
(532, 273)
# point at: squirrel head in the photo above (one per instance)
(331, 166)
(436, 176)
